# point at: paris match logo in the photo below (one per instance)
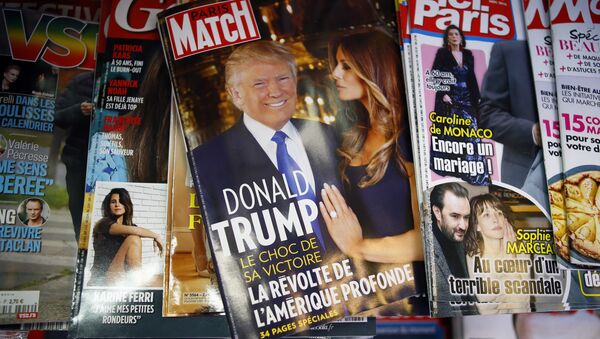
(210, 27)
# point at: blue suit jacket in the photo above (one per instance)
(509, 109)
(235, 158)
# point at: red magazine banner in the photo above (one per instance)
(485, 19)
(536, 14)
(576, 11)
(136, 19)
(210, 27)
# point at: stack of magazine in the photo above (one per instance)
(143, 265)
(505, 228)
(271, 168)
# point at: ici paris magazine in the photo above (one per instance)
(487, 227)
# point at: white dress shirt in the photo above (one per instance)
(295, 147)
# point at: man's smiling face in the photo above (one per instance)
(266, 92)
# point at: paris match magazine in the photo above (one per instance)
(575, 31)
(284, 261)
(48, 61)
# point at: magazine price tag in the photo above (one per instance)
(22, 303)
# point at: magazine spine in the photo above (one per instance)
(77, 289)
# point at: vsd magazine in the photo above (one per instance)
(45, 104)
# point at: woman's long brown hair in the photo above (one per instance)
(150, 163)
(473, 239)
(124, 199)
(375, 58)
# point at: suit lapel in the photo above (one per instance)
(320, 153)
(250, 153)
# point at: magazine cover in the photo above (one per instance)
(488, 237)
(120, 268)
(191, 287)
(47, 62)
(190, 281)
(539, 37)
(542, 60)
(417, 135)
(575, 31)
(291, 226)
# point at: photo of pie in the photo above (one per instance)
(559, 225)
(583, 211)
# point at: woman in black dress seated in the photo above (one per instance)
(380, 222)
(461, 99)
(117, 241)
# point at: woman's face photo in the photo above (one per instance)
(348, 84)
(11, 75)
(116, 207)
(454, 37)
(491, 222)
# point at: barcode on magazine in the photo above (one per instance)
(23, 303)
(352, 320)
(9, 309)
(47, 326)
